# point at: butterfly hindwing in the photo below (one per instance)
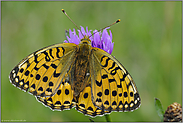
(41, 72)
(63, 98)
(113, 89)
(85, 104)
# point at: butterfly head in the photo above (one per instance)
(85, 45)
(85, 40)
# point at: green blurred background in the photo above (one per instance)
(147, 41)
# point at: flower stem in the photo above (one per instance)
(108, 119)
(91, 120)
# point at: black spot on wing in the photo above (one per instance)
(27, 73)
(33, 86)
(66, 91)
(106, 102)
(104, 76)
(40, 89)
(58, 103)
(36, 68)
(45, 79)
(53, 66)
(35, 58)
(85, 95)
(49, 89)
(47, 58)
(114, 71)
(21, 70)
(124, 76)
(106, 92)
(114, 93)
(58, 51)
(111, 80)
(119, 86)
(125, 94)
(113, 64)
(98, 83)
(106, 63)
(99, 94)
(131, 94)
(38, 77)
(28, 64)
(45, 66)
(51, 84)
(66, 102)
(59, 92)
(56, 74)
(50, 52)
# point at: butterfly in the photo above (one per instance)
(67, 75)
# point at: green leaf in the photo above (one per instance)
(159, 109)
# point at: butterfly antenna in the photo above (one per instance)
(105, 27)
(71, 20)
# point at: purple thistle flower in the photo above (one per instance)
(100, 40)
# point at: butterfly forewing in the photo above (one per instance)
(42, 71)
(113, 89)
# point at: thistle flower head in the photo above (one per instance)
(101, 40)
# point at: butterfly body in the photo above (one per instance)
(63, 76)
(81, 66)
